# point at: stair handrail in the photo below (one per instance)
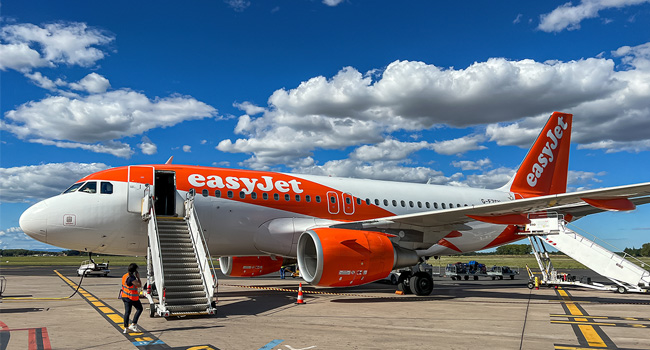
(597, 240)
(154, 245)
(204, 258)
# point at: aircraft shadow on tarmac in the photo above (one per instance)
(22, 310)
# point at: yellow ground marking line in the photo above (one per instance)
(588, 331)
(585, 323)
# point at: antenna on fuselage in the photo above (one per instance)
(169, 161)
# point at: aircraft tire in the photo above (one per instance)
(152, 310)
(621, 290)
(421, 284)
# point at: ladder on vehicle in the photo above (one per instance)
(552, 229)
(179, 268)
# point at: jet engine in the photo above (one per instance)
(334, 257)
(249, 266)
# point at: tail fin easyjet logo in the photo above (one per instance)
(546, 156)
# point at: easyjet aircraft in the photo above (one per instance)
(343, 231)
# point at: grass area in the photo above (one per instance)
(70, 260)
(559, 261)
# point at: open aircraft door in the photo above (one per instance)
(139, 176)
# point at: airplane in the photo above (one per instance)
(341, 231)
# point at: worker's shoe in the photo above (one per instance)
(126, 330)
(133, 328)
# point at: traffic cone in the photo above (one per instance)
(300, 301)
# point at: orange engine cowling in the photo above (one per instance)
(249, 266)
(335, 257)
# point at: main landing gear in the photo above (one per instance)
(417, 280)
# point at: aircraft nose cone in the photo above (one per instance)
(34, 221)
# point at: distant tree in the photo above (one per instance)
(632, 251)
(645, 249)
(514, 249)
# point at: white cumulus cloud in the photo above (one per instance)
(36, 182)
(569, 16)
(27, 46)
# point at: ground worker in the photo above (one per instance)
(131, 298)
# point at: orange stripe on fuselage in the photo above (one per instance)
(224, 180)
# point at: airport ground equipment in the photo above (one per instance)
(180, 278)
(90, 267)
(3, 285)
(473, 270)
(552, 229)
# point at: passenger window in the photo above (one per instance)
(89, 187)
(297, 198)
(435, 205)
(317, 199)
(287, 197)
(451, 205)
(307, 198)
(73, 187)
(229, 194)
(411, 204)
(265, 196)
(376, 201)
(242, 195)
(428, 205)
(358, 201)
(444, 206)
(217, 193)
(106, 188)
(276, 196)
(254, 195)
(347, 200)
(333, 199)
(385, 202)
(367, 201)
(403, 204)
(458, 205)
(394, 203)
(419, 204)
(204, 192)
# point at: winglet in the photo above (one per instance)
(544, 170)
(169, 161)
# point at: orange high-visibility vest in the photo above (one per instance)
(129, 292)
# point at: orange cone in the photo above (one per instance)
(300, 300)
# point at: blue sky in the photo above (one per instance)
(454, 92)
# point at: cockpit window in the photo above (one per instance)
(106, 188)
(89, 187)
(73, 187)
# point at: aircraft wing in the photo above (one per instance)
(431, 226)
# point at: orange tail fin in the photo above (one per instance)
(544, 170)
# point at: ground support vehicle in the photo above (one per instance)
(90, 267)
(498, 272)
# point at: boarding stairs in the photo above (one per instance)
(628, 273)
(180, 278)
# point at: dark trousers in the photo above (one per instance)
(128, 303)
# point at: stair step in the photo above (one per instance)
(184, 282)
(184, 288)
(186, 301)
(185, 294)
(181, 270)
(187, 308)
(180, 263)
(182, 276)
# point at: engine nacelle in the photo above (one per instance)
(339, 257)
(249, 266)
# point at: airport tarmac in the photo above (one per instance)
(484, 314)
